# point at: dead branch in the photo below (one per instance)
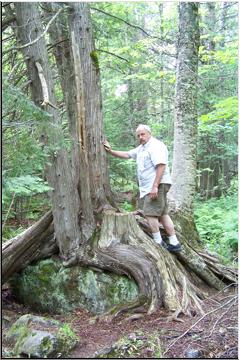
(34, 243)
(39, 37)
(110, 53)
(201, 318)
(44, 86)
(8, 22)
(225, 312)
(120, 19)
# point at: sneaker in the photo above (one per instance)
(165, 245)
(174, 248)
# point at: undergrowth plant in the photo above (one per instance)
(217, 223)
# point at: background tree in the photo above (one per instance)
(185, 125)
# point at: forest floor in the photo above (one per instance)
(212, 335)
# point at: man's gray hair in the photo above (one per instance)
(145, 127)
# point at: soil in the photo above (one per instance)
(209, 335)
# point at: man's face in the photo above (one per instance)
(143, 136)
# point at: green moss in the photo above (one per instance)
(94, 58)
(50, 287)
(41, 337)
(67, 339)
(46, 345)
(17, 334)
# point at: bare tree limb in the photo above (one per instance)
(7, 22)
(44, 86)
(6, 4)
(202, 317)
(39, 37)
(217, 321)
(110, 53)
(126, 22)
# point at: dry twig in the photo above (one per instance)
(39, 37)
(201, 318)
(217, 321)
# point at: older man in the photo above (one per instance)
(154, 182)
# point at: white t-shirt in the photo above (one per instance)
(154, 152)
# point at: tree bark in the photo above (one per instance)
(185, 126)
(81, 29)
(37, 242)
(64, 196)
(211, 24)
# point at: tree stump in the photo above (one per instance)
(175, 281)
(164, 279)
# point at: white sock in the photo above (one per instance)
(157, 237)
(173, 240)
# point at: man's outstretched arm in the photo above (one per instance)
(119, 154)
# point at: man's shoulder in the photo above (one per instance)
(156, 143)
(139, 147)
(134, 150)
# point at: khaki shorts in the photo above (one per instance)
(155, 207)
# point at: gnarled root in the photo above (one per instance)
(161, 277)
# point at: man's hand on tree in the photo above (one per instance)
(106, 145)
(154, 192)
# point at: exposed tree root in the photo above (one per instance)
(160, 276)
(37, 242)
(170, 280)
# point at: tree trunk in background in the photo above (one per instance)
(161, 62)
(185, 127)
(64, 197)
(211, 24)
(223, 19)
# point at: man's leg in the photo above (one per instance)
(167, 223)
(154, 226)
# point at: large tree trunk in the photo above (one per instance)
(72, 38)
(64, 197)
(81, 30)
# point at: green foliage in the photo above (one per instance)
(123, 175)
(217, 223)
(226, 112)
(127, 206)
(8, 232)
(19, 188)
(24, 186)
(24, 156)
(14, 99)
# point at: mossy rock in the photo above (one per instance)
(40, 337)
(50, 287)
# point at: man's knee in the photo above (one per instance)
(153, 223)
